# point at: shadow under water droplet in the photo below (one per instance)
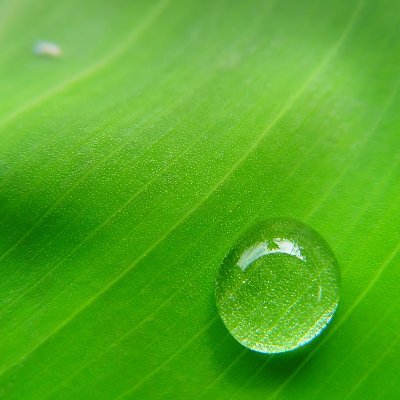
(243, 368)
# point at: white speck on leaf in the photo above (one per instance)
(48, 49)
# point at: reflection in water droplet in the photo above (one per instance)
(278, 287)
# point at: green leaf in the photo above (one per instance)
(131, 164)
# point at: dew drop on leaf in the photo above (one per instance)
(278, 287)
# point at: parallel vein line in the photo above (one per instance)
(88, 173)
(247, 382)
(374, 279)
(360, 344)
(364, 141)
(223, 373)
(172, 356)
(108, 219)
(374, 365)
(358, 300)
(120, 339)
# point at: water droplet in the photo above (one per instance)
(278, 287)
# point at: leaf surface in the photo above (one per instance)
(130, 165)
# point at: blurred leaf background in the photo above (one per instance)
(130, 165)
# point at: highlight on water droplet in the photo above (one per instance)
(278, 287)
